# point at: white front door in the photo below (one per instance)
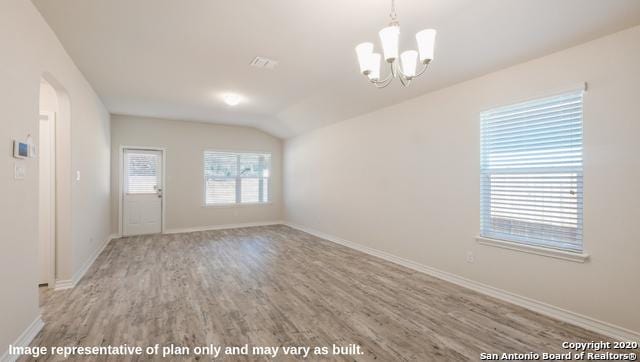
(142, 192)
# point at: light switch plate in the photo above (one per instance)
(20, 170)
(77, 175)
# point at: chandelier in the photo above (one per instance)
(405, 69)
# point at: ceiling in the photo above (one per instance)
(172, 59)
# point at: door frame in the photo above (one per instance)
(51, 118)
(163, 151)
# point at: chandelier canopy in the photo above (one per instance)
(406, 68)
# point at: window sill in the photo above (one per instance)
(576, 257)
(246, 204)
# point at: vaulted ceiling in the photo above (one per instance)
(172, 59)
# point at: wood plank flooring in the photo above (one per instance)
(276, 286)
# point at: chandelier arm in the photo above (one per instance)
(381, 85)
(403, 80)
(385, 80)
(423, 70)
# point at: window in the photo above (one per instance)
(236, 178)
(531, 172)
(142, 170)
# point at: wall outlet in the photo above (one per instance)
(470, 257)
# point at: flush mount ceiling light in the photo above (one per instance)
(231, 99)
(406, 69)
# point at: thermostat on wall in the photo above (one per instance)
(20, 149)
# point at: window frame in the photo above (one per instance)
(238, 179)
(519, 243)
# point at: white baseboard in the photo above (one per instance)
(604, 328)
(77, 276)
(222, 227)
(24, 340)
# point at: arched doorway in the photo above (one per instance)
(54, 181)
(47, 184)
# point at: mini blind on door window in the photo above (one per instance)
(531, 172)
(236, 177)
(142, 172)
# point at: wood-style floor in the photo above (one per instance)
(276, 286)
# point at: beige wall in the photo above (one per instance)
(48, 98)
(405, 180)
(29, 51)
(185, 143)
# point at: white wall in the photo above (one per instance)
(405, 180)
(185, 143)
(29, 50)
(48, 98)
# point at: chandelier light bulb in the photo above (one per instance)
(409, 61)
(389, 38)
(426, 44)
(364, 51)
(374, 61)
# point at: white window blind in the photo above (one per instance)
(142, 172)
(236, 177)
(531, 172)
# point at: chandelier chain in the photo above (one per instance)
(393, 14)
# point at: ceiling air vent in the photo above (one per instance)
(263, 63)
